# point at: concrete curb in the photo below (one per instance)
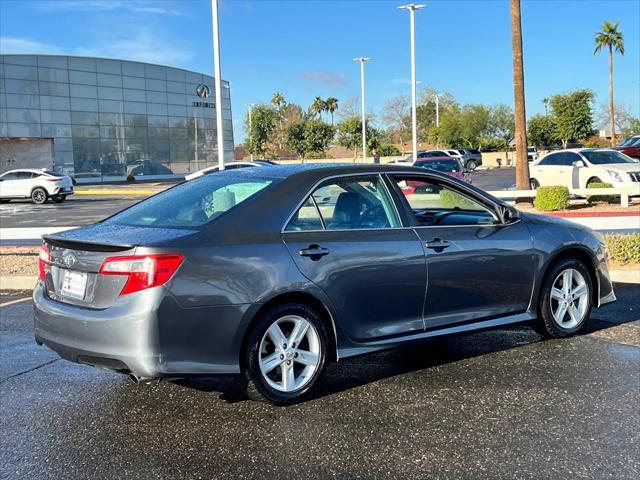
(27, 282)
(123, 191)
(18, 282)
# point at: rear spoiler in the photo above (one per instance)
(85, 245)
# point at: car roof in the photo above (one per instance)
(31, 170)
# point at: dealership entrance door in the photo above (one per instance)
(25, 153)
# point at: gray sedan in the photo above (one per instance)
(273, 272)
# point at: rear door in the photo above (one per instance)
(554, 169)
(347, 238)
(477, 266)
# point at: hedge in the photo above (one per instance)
(552, 198)
(624, 249)
(600, 198)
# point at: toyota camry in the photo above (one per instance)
(273, 272)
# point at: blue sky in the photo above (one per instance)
(305, 48)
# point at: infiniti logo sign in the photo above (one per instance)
(203, 91)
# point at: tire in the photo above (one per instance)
(576, 313)
(39, 196)
(534, 184)
(5, 200)
(59, 198)
(472, 165)
(271, 386)
(593, 180)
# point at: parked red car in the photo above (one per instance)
(447, 165)
(630, 146)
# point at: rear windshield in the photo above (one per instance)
(606, 157)
(52, 173)
(440, 165)
(192, 204)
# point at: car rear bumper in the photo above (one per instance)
(64, 191)
(147, 334)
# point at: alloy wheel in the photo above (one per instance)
(39, 196)
(290, 353)
(569, 298)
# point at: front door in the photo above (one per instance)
(347, 238)
(477, 267)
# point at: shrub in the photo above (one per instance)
(624, 249)
(450, 199)
(552, 198)
(600, 198)
(316, 155)
(388, 150)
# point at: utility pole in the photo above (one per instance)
(412, 7)
(217, 74)
(250, 105)
(437, 109)
(364, 114)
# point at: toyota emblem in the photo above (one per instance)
(69, 259)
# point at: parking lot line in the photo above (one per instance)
(12, 302)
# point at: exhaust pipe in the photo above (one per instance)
(140, 380)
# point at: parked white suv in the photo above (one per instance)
(580, 167)
(38, 185)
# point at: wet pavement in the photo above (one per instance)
(496, 404)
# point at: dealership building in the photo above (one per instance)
(103, 119)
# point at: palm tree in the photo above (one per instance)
(545, 101)
(331, 105)
(318, 106)
(611, 38)
(278, 101)
(522, 165)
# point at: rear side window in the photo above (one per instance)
(25, 175)
(192, 204)
(349, 203)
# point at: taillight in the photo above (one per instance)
(44, 260)
(142, 271)
(53, 179)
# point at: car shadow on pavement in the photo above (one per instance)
(427, 354)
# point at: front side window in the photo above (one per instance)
(607, 157)
(434, 203)
(348, 203)
(191, 204)
(24, 175)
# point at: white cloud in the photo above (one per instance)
(140, 46)
(108, 6)
(323, 78)
(25, 45)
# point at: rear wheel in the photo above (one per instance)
(5, 200)
(39, 195)
(285, 354)
(59, 198)
(533, 184)
(472, 165)
(565, 300)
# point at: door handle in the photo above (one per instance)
(314, 251)
(437, 244)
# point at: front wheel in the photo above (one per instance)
(285, 354)
(565, 300)
(5, 200)
(39, 196)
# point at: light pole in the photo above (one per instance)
(364, 120)
(217, 74)
(250, 106)
(412, 7)
(437, 109)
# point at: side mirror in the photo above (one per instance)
(578, 164)
(509, 215)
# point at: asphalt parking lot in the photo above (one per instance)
(496, 404)
(87, 209)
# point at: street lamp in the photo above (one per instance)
(364, 120)
(217, 74)
(412, 7)
(437, 109)
(250, 107)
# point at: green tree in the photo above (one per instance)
(350, 134)
(331, 105)
(317, 107)
(573, 115)
(309, 136)
(541, 131)
(502, 125)
(261, 130)
(474, 123)
(295, 137)
(634, 126)
(610, 38)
